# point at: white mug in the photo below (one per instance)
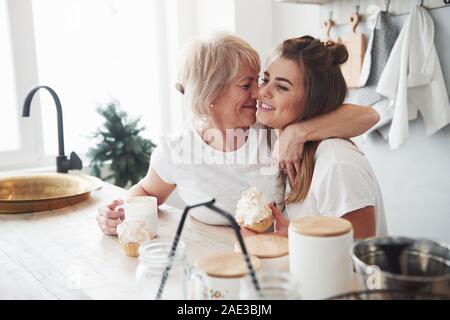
(321, 262)
(144, 208)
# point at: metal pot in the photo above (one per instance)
(388, 295)
(403, 264)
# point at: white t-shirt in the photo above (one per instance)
(343, 181)
(202, 172)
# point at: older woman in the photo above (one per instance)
(335, 177)
(221, 151)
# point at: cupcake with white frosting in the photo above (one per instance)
(131, 235)
(252, 211)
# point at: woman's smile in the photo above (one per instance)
(264, 107)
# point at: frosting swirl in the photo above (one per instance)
(132, 231)
(252, 207)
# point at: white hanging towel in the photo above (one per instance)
(413, 80)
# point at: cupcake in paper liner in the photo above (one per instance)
(131, 235)
(253, 212)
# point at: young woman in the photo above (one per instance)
(304, 81)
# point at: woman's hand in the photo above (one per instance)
(281, 224)
(247, 232)
(288, 150)
(108, 219)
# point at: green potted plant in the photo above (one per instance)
(119, 142)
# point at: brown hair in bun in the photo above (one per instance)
(338, 52)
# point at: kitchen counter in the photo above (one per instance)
(62, 254)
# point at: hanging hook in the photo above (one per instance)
(447, 2)
(328, 24)
(356, 6)
(354, 20)
(388, 4)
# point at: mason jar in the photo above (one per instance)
(153, 261)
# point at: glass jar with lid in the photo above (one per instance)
(153, 260)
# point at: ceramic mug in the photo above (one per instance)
(144, 208)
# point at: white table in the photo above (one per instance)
(62, 254)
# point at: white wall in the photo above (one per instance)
(199, 18)
(254, 23)
(251, 20)
(215, 15)
(294, 20)
(415, 178)
(415, 181)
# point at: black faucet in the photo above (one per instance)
(63, 164)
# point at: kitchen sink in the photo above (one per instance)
(44, 191)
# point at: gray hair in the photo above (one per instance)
(208, 66)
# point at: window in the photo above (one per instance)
(9, 127)
(90, 52)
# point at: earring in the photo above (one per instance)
(211, 105)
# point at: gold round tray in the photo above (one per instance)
(44, 191)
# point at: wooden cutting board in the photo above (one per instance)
(356, 46)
